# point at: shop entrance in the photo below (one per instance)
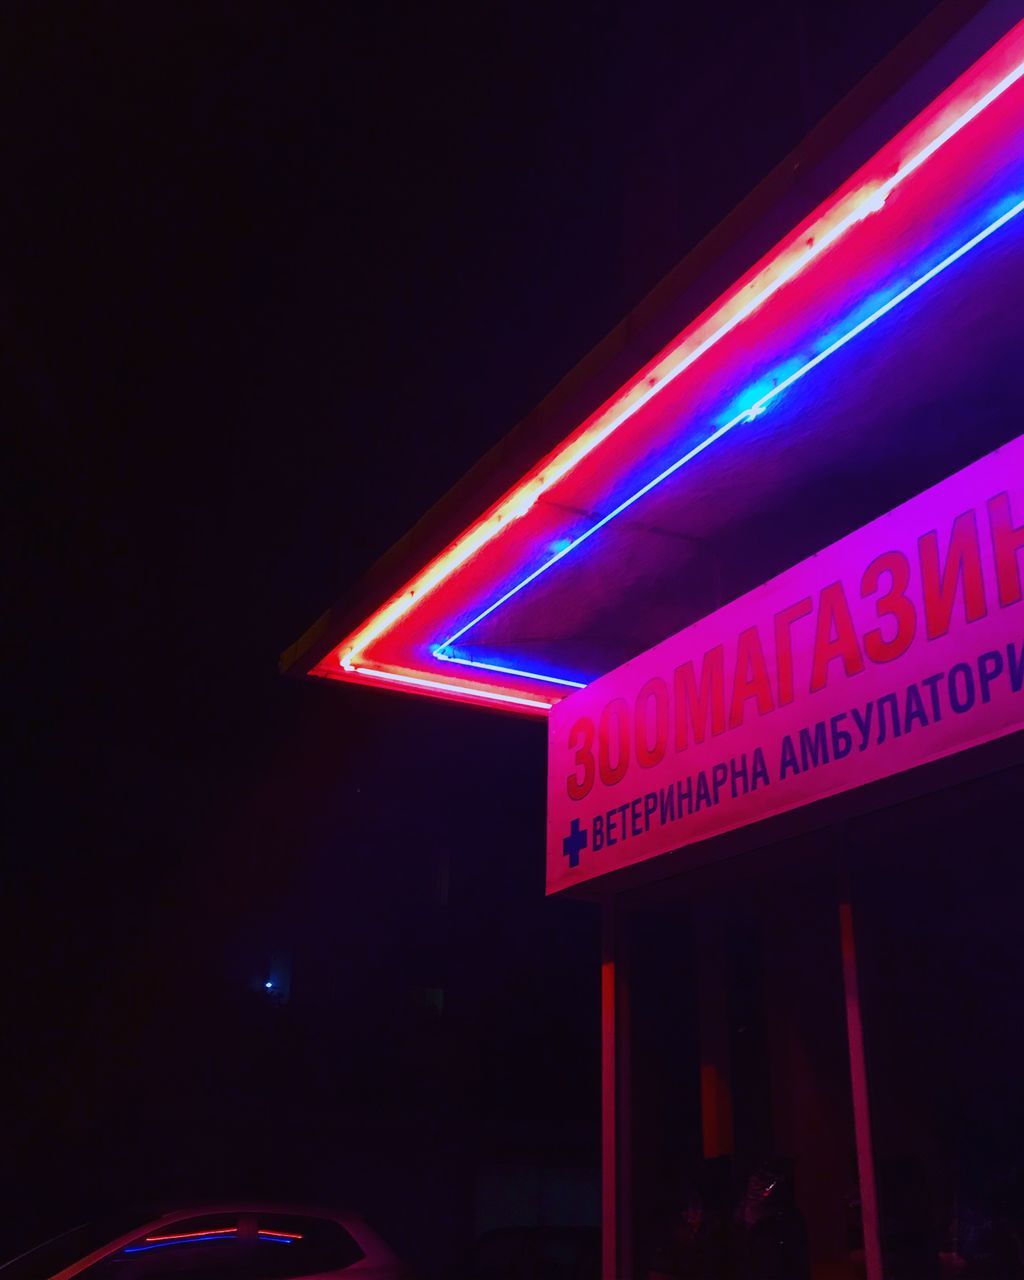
(743, 1135)
(738, 1143)
(940, 890)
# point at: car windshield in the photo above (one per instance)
(69, 1246)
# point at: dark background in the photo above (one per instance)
(275, 276)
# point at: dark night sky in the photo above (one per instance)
(276, 276)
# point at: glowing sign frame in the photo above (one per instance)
(430, 664)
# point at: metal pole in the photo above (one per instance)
(616, 1260)
(624, 1110)
(859, 1086)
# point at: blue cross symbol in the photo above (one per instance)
(574, 843)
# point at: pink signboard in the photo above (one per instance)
(900, 644)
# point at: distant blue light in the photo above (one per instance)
(269, 985)
(751, 411)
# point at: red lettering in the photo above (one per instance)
(751, 677)
(654, 693)
(581, 740)
(1007, 543)
(695, 706)
(614, 725)
(834, 637)
(784, 646)
(893, 604)
(962, 568)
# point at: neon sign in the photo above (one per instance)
(950, 181)
(898, 645)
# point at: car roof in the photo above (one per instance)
(374, 1247)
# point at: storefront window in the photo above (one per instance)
(743, 1156)
(939, 914)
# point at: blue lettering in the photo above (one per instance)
(914, 712)
(889, 701)
(789, 762)
(863, 723)
(966, 675)
(814, 751)
(990, 665)
(842, 739)
(760, 774)
(931, 683)
(1015, 662)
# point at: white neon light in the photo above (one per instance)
(464, 691)
(506, 671)
(868, 199)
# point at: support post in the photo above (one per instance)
(859, 1086)
(713, 1038)
(616, 1241)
